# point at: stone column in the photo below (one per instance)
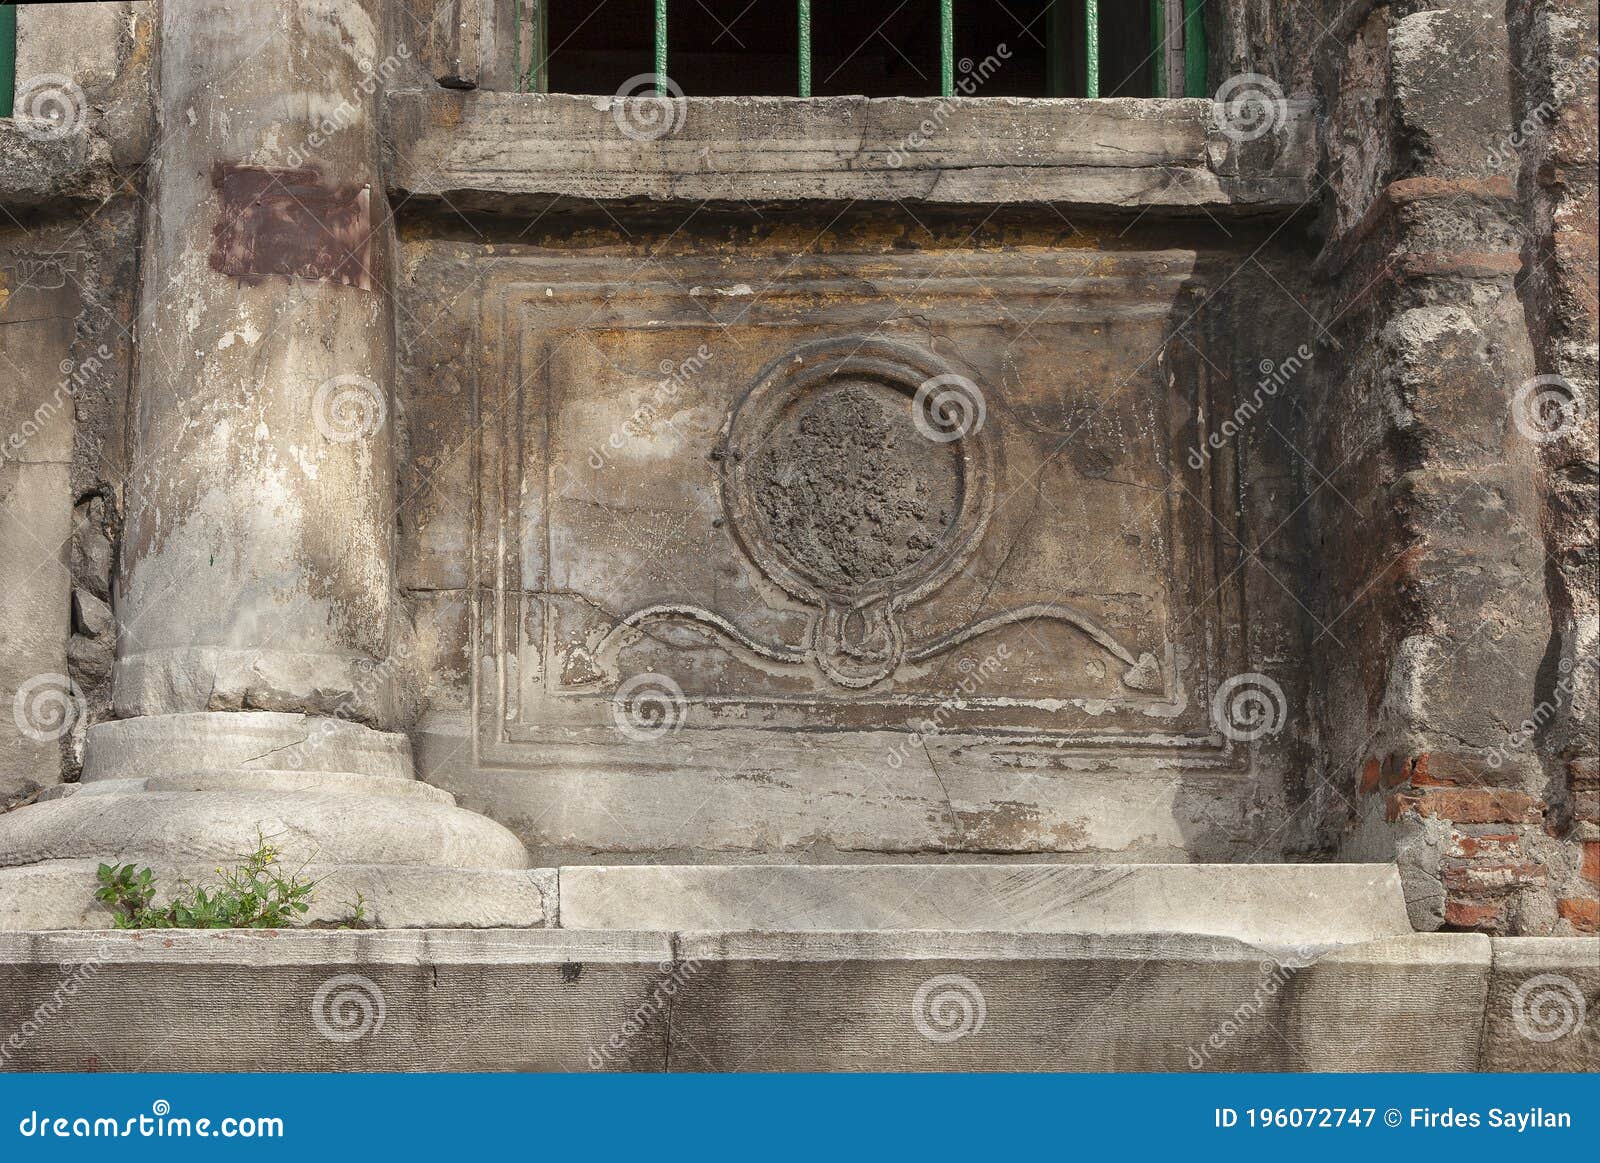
(257, 556)
(1436, 562)
(256, 608)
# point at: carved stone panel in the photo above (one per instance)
(864, 494)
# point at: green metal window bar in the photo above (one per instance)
(8, 58)
(1177, 37)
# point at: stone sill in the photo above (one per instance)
(38, 172)
(514, 153)
(567, 1000)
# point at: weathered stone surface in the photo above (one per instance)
(975, 679)
(680, 574)
(191, 826)
(1544, 1004)
(448, 1000)
(1311, 905)
(557, 999)
(40, 706)
(50, 171)
(1554, 146)
(255, 598)
(1457, 633)
(504, 152)
(849, 1001)
(82, 116)
(157, 745)
(59, 894)
(261, 452)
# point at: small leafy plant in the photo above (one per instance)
(254, 894)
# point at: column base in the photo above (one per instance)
(184, 794)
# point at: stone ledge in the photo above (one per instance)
(502, 152)
(1558, 982)
(570, 1000)
(38, 172)
(59, 895)
(1287, 904)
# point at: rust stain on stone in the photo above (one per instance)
(294, 223)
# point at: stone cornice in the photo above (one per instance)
(509, 152)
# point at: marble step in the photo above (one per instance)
(554, 999)
(1315, 905)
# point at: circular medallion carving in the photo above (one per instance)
(846, 494)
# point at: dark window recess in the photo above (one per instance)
(999, 48)
(875, 50)
(733, 48)
(596, 45)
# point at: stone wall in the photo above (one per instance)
(67, 262)
(569, 389)
(1400, 531)
(1457, 526)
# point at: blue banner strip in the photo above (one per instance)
(761, 1117)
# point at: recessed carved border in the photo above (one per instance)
(527, 302)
